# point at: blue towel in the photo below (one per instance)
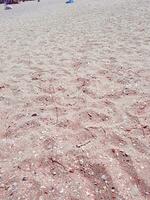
(70, 1)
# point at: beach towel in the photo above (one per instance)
(70, 1)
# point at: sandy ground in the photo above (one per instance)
(75, 100)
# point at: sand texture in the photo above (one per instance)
(75, 100)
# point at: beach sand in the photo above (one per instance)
(75, 100)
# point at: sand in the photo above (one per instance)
(75, 100)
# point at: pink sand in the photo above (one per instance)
(75, 100)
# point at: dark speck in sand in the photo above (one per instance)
(34, 115)
(24, 178)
